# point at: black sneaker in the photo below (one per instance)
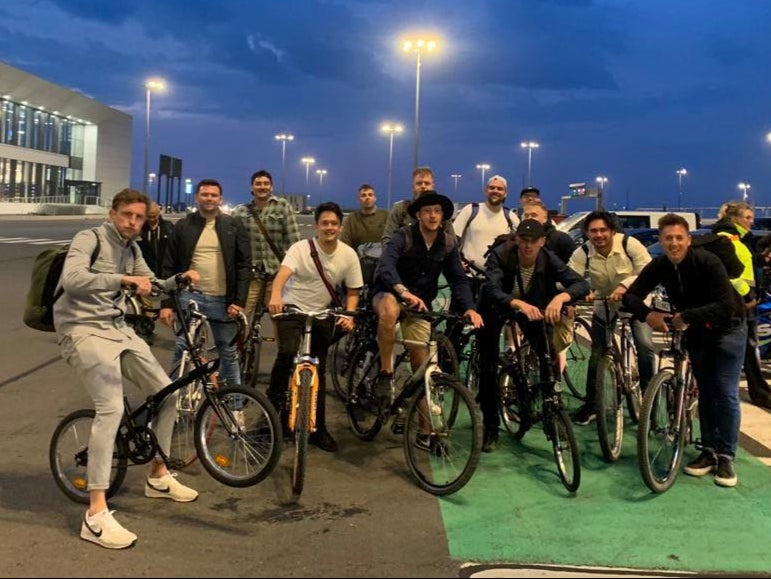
(585, 415)
(725, 473)
(382, 388)
(323, 440)
(423, 442)
(703, 464)
(490, 439)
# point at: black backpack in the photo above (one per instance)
(722, 247)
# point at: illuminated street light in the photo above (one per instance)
(745, 188)
(283, 137)
(484, 167)
(321, 173)
(418, 46)
(681, 172)
(602, 181)
(307, 161)
(456, 177)
(390, 129)
(529, 145)
(157, 85)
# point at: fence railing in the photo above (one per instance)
(59, 200)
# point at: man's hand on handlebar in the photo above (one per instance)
(141, 285)
(276, 305)
(345, 322)
(531, 312)
(474, 318)
(658, 321)
(413, 301)
(233, 310)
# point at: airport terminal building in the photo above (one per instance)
(57, 145)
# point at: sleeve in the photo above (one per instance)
(345, 234)
(77, 279)
(460, 221)
(243, 262)
(634, 298)
(292, 231)
(579, 261)
(639, 257)
(353, 277)
(293, 256)
(740, 283)
(575, 285)
(386, 273)
(393, 223)
(712, 274)
(492, 290)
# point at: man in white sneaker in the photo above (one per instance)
(96, 342)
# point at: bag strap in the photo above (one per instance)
(279, 255)
(92, 261)
(330, 289)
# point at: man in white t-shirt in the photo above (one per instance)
(478, 224)
(299, 283)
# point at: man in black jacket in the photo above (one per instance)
(217, 247)
(522, 277)
(154, 238)
(557, 241)
(713, 317)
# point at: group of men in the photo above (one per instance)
(233, 259)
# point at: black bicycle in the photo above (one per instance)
(250, 341)
(237, 431)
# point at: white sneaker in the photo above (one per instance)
(104, 530)
(167, 487)
(240, 419)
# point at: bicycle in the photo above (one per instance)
(523, 379)
(666, 418)
(618, 378)
(250, 341)
(441, 423)
(577, 358)
(303, 390)
(237, 431)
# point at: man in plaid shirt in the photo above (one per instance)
(278, 217)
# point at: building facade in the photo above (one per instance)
(57, 145)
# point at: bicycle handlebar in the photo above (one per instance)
(292, 311)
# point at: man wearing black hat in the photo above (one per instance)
(522, 277)
(408, 272)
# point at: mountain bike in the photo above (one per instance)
(577, 357)
(237, 430)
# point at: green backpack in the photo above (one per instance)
(42, 294)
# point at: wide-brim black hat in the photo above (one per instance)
(432, 198)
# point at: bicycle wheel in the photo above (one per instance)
(182, 452)
(448, 359)
(441, 456)
(338, 362)
(244, 448)
(661, 433)
(566, 452)
(68, 457)
(632, 386)
(362, 406)
(610, 410)
(514, 410)
(577, 359)
(471, 374)
(302, 429)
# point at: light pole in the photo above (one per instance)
(158, 85)
(456, 177)
(681, 172)
(283, 137)
(601, 180)
(484, 167)
(417, 46)
(529, 145)
(745, 188)
(390, 129)
(307, 161)
(321, 173)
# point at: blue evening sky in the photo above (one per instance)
(630, 89)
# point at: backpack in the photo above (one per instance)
(42, 294)
(475, 212)
(722, 247)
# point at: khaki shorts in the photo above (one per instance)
(563, 331)
(413, 327)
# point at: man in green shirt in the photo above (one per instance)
(367, 224)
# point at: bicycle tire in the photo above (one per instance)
(610, 410)
(250, 363)
(182, 452)
(238, 454)
(68, 457)
(577, 359)
(453, 449)
(338, 361)
(362, 406)
(660, 463)
(515, 418)
(633, 387)
(562, 435)
(302, 429)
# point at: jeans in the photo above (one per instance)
(642, 335)
(224, 330)
(717, 361)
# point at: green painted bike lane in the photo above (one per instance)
(515, 510)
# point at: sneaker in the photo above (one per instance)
(585, 415)
(490, 439)
(703, 464)
(323, 440)
(240, 419)
(382, 389)
(167, 487)
(105, 531)
(725, 473)
(423, 442)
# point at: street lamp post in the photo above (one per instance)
(390, 129)
(321, 173)
(529, 145)
(158, 85)
(681, 172)
(484, 167)
(283, 137)
(745, 188)
(307, 161)
(601, 196)
(456, 177)
(417, 46)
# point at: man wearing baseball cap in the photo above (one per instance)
(522, 280)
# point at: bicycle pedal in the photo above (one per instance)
(397, 427)
(269, 340)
